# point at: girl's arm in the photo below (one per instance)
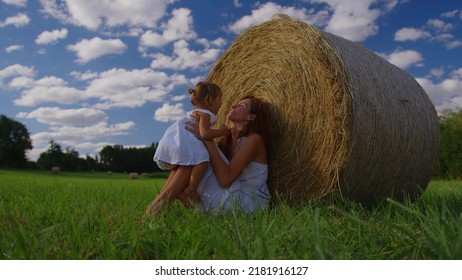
(227, 173)
(208, 133)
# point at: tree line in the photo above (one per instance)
(449, 164)
(115, 158)
(15, 141)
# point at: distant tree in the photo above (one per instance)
(119, 159)
(14, 142)
(88, 163)
(53, 156)
(68, 160)
(111, 158)
(450, 151)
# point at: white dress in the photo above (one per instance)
(248, 193)
(178, 146)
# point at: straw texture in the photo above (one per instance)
(345, 120)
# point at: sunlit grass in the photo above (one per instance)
(97, 216)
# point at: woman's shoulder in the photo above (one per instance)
(256, 145)
(254, 137)
(253, 141)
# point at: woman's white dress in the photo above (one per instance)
(248, 193)
(178, 146)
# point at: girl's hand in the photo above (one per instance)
(192, 126)
(196, 116)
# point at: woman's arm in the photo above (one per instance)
(227, 173)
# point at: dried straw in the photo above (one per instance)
(345, 120)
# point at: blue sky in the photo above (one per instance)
(93, 73)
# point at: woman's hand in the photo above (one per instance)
(192, 126)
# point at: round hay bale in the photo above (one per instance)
(133, 175)
(345, 120)
(55, 169)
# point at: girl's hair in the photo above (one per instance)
(204, 93)
(261, 124)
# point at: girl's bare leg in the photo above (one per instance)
(197, 173)
(151, 206)
(175, 185)
(169, 180)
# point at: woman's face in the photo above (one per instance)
(240, 111)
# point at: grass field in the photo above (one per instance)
(97, 216)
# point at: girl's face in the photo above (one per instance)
(240, 111)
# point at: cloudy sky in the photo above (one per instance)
(93, 73)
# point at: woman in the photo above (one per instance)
(238, 170)
(241, 180)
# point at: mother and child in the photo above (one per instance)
(230, 174)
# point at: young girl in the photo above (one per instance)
(183, 153)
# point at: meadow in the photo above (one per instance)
(98, 216)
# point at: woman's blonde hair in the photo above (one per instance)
(204, 93)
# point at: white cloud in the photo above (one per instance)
(95, 147)
(353, 20)
(450, 14)
(437, 72)
(88, 75)
(411, 34)
(49, 89)
(87, 50)
(88, 133)
(151, 39)
(51, 37)
(21, 82)
(457, 74)
(169, 113)
(115, 88)
(19, 3)
(442, 37)
(178, 98)
(237, 3)
(13, 48)
(124, 88)
(433, 30)
(17, 21)
(180, 26)
(79, 136)
(179, 29)
(15, 70)
(184, 58)
(453, 44)
(220, 42)
(439, 25)
(97, 13)
(69, 117)
(446, 95)
(263, 12)
(403, 58)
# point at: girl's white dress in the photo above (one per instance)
(178, 146)
(248, 193)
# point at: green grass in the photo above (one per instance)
(97, 216)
